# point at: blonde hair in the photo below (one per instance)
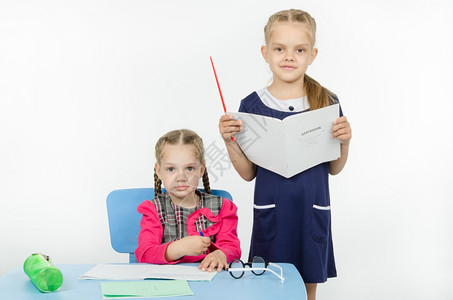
(180, 137)
(318, 96)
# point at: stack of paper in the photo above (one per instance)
(147, 271)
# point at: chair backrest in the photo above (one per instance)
(124, 219)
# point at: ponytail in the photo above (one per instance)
(318, 96)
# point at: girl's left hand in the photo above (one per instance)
(342, 130)
(216, 259)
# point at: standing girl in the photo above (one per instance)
(291, 222)
(184, 224)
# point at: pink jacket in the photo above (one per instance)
(150, 249)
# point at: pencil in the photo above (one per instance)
(220, 90)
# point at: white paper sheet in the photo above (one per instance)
(292, 145)
(147, 271)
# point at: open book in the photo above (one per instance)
(147, 271)
(292, 145)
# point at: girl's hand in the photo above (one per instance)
(228, 127)
(342, 130)
(195, 245)
(216, 259)
(189, 245)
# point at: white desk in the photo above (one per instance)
(15, 285)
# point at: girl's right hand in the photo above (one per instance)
(189, 245)
(228, 127)
(195, 245)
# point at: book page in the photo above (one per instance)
(147, 271)
(262, 141)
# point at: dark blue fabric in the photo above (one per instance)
(293, 231)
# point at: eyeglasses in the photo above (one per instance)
(258, 266)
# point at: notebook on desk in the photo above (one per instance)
(144, 289)
(147, 271)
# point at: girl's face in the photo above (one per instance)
(180, 170)
(289, 52)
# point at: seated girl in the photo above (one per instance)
(184, 224)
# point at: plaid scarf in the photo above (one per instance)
(174, 218)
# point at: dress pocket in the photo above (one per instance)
(320, 223)
(264, 222)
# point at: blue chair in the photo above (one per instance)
(124, 220)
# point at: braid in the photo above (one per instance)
(157, 184)
(206, 184)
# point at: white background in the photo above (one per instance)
(87, 87)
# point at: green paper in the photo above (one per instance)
(145, 288)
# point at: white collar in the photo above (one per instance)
(290, 105)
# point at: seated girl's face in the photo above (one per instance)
(180, 171)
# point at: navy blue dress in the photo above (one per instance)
(291, 216)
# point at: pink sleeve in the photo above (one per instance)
(150, 248)
(227, 238)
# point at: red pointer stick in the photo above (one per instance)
(220, 91)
